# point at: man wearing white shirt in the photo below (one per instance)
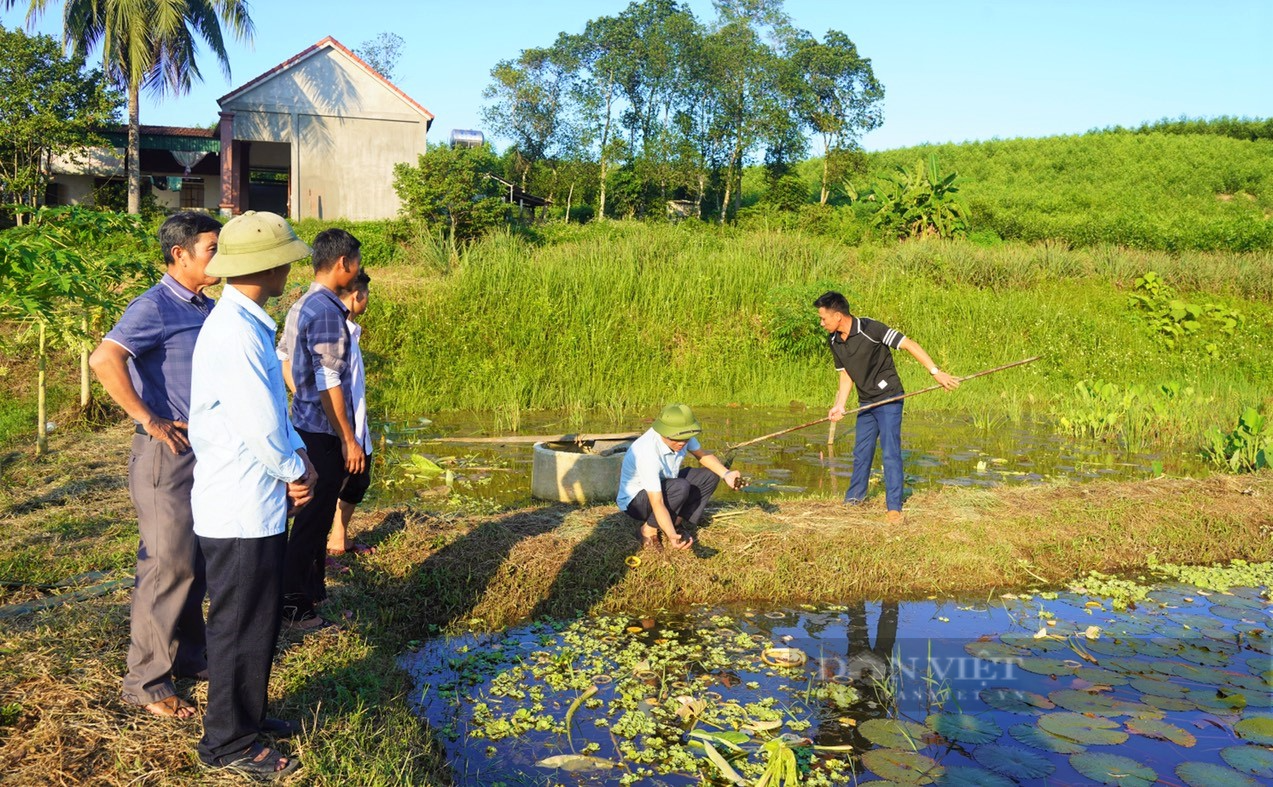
(252, 470)
(655, 491)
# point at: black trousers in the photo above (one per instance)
(304, 571)
(685, 496)
(243, 625)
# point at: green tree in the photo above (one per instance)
(49, 106)
(382, 53)
(65, 272)
(453, 190)
(742, 75)
(529, 98)
(150, 44)
(841, 100)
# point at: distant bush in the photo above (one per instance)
(385, 241)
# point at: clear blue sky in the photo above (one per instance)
(952, 71)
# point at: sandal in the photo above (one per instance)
(260, 763)
(352, 547)
(311, 621)
(172, 707)
(336, 568)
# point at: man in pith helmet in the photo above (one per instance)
(656, 491)
(252, 472)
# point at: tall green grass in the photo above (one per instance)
(625, 317)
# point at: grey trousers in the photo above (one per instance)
(167, 632)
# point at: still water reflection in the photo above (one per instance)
(938, 450)
(1049, 689)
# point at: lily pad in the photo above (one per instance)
(1254, 760)
(1158, 688)
(1172, 704)
(1235, 613)
(1113, 769)
(1161, 730)
(906, 767)
(1208, 675)
(964, 727)
(1047, 666)
(1207, 653)
(1099, 704)
(1102, 676)
(1257, 730)
(1210, 774)
(1013, 762)
(1016, 700)
(894, 733)
(994, 651)
(1082, 729)
(970, 776)
(1031, 735)
(1219, 699)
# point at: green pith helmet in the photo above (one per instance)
(255, 242)
(677, 422)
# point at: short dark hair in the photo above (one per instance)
(183, 229)
(361, 282)
(330, 245)
(832, 301)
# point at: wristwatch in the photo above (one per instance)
(933, 370)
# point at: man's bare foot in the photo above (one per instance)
(650, 538)
(172, 707)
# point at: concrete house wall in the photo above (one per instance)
(336, 125)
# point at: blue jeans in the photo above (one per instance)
(885, 423)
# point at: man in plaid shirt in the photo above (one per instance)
(315, 351)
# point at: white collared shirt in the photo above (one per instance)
(646, 463)
(358, 386)
(244, 443)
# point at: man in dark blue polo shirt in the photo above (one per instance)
(144, 365)
(863, 352)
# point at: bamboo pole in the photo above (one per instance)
(512, 439)
(873, 405)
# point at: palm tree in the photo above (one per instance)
(150, 44)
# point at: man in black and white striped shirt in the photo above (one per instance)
(862, 349)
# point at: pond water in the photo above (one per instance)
(1054, 688)
(937, 449)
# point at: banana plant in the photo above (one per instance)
(919, 201)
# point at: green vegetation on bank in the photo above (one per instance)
(624, 316)
(1143, 191)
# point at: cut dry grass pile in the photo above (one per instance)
(62, 721)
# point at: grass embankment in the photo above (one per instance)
(626, 316)
(1151, 190)
(62, 721)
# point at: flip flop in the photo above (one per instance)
(259, 763)
(360, 548)
(310, 622)
(336, 567)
